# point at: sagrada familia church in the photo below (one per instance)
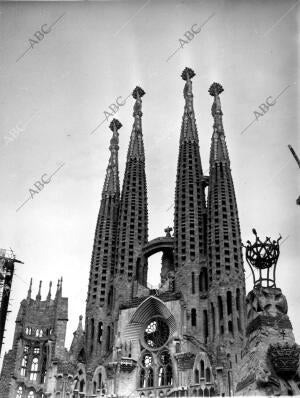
(198, 334)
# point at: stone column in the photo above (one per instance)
(225, 316)
(235, 313)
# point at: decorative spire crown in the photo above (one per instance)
(115, 125)
(188, 74)
(138, 92)
(263, 256)
(215, 89)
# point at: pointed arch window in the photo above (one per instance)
(31, 394)
(19, 392)
(165, 372)
(39, 333)
(24, 364)
(34, 369)
(28, 331)
(146, 372)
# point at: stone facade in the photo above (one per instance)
(196, 334)
(270, 356)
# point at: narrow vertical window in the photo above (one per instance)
(108, 332)
(19, 392)
(110, 299)
(92, 328)
(202, 369)
(205, 325)
(24, 365)
(34, 369)
(229, 303)
(193, 282)
(207, 375)
(100, 331)
(230, 327)
(81, 386)
(220, 307)
(196, 376)
(194, 317)
(213, 319)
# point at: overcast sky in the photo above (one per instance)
(55, 95)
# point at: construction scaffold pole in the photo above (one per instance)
(7, 265)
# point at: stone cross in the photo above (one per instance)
(282, 332)
(168, 232)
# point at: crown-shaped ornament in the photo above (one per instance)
(262, 256)
(284, 359)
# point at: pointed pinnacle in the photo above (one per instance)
(215, 89)
(30, 289)
(38, 296)
(49, 293)
(115, 125)
(138, 92)
(188, 74)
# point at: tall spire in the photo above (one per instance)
(188, 128)
(104, 252)
(38, 296)
(218, 149)
(111, 184)
(190, 209)
(136, 146)
(29, 290)
(225, 262)
(133, 221)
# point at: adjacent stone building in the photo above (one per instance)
(197, 334)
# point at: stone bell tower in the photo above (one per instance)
(270, 358)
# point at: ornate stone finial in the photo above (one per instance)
(215, 89)
(138, 92)
(188, 74)
(262, 256)
(168, 231)
(115, 125)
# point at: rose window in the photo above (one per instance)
(156, 333)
